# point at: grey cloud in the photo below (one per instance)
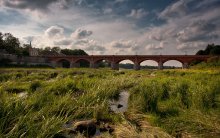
(157, 37)
(175, 10)
(122, 44)
(89, 45)
(63, 42)
(191, 46)
(28, 4)
(80, 34)
(199, 30)
(95, 48)
(29, 38)
(54, 32)
(154, 47)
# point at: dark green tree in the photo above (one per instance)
(1, 41)
(56, 49)
(11, 44)
(211, 49)
(73, 52)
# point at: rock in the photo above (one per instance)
(88, 127)
(120, 105)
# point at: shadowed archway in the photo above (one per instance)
(82, 63)
(63, 63)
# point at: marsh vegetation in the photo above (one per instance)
(168, 103)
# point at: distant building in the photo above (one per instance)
(33, 51)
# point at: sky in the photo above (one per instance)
(121, 27)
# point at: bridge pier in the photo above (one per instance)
(114, 66)
(92, 64)
(54, 64)
(160, 65)
(137, 66)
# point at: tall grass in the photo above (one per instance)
(180, 102)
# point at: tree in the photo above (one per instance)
(10, 43)
(47, 49)
(211, 49)
(56, 49)
(215, 50)
(73, 52)
(25, 49)
(1, 41)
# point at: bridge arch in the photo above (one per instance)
(125, 63)
(173, 63)
(82, 62)
(102, 63)
(148, 64)
(64, 63)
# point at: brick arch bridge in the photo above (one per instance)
(115, 59)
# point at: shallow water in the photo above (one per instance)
(120, 105)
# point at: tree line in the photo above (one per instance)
(211, 49)
(11, 45)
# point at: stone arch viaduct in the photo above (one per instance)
(93, 60)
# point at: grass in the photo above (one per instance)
(168, 103)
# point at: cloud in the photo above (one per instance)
(80, 33)
(198, 30)
(107, 11)
(119, 1)
(54, 32)
(28, 4)
(175, 10)
(28, 38)
(63, 42)
(95, 48)
(89, 45)
(192, 46)
(122, 44)
(137, 13)
(154, 47)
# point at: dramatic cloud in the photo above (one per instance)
(80, 33)
(139, 13)
(199, 30)
(117, 26)
(54, 32)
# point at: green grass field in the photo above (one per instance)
(168, 103)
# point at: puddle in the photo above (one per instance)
(72, 128)
(120, 105)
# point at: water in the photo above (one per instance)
(120, 105)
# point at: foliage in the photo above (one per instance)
(211, 49)
(73, 52)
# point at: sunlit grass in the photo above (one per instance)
(161, 103)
